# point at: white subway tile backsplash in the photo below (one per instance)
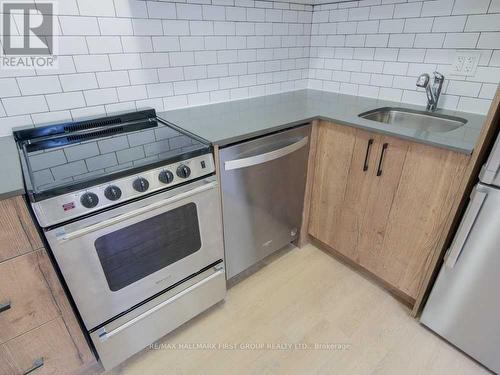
(147, 27)
(391, 26)
(201, 27)
(23, 105)
(418, 25)
(9, 87)
(487, 22)
(463, 88)
(155, 60)
(235, 14)
(470, 7)
(66, 100)
(113, 79)
(494, 6)
(175, 27)
(125, 61)
(192, 43)
(78, 82)
(461, 40)
(381, 11)
(401, 40)
(100, 96)
(181, 58)
(437, 8)
(72, 45)
(39, 85)
(131, 8)
(123, 54)
(91, 63)
(489, 40)
(211, 12)
(142, 76)
(104, 44)
(136, 44)
(166, 43)
(434, 40)
(126, 93)
(449, 24)
(115, 26)
(167, 10)
(79, 25)
(96, 7)
(408, 10)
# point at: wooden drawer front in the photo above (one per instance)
(49, 347)
(18, 234)
(24, 285)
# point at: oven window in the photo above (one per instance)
(136, 251)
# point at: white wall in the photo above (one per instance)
(126, 54)
(377, 48)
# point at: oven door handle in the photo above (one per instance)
(117, 219)
(103, 335)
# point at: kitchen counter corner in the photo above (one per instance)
(234, 121)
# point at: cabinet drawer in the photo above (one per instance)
(48, 348)
(23, 284)
(18, 234)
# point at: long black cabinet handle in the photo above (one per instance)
(368, 147)
(4, 306)
(379, 169)
(37, 363)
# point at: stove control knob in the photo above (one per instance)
(140, 185)
(89, 200)
(166, 177)
(112, 192)
(183, 171)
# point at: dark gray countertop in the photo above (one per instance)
(11, 178)
(229, 122)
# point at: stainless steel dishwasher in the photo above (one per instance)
(263, 182)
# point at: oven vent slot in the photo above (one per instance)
(98, 133)
(91, 125)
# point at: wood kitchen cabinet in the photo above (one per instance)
(382, 202)
(38, 327)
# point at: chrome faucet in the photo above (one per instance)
(432, 90)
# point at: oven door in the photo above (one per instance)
(119, 258)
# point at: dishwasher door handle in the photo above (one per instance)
(265, 157)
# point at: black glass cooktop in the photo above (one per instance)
(63, 158)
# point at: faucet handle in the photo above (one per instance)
(438, 76)
(423, 80)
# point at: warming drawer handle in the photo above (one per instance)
(117, 219)
(268, 156)
(471, 214)
(103, 335)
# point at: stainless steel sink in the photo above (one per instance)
(419, 120)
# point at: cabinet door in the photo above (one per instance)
(345, 162)
(430, 179)
(18, 234)
(49, 349)
(31, 301)
(390, 158)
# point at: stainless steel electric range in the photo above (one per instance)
(130, 208)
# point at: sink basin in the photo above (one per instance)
(418, 120)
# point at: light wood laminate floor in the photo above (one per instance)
(303, 297)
